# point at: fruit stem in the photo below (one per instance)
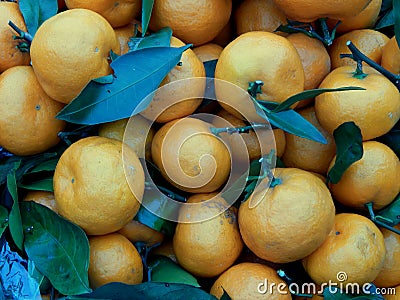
(22, 34)
(255, 88)
(232, 130)
(373, 218)
(358, 56)
(327, 36)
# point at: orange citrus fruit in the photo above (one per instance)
(71, 48)
(263, 56)
(125, 33)
(209, 247)
(306, 154)
(308, 11)
(393, 294)
(175, 91)
(138, 137)
(113, 258)
(91, 187)
(10, 55)
(369, 42)
(209, 51)
(226, 35)
(42, 197)
(375, 110)
(242, 281)
(27, 114)
(258, 15)
(193, 22)
(270, 228)
(118, 13)
(373, 178)
(138, 232)
(390, 274)
(353, 252)
(391, 56)
(363, 20)
(190, 157)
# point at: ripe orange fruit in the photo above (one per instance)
(370, 42)
(255, 56)
(165, 249)
(69, 50)
(190, 157)
(375, 110)
(393, 294)
(363, 20)
(209, 51)
(193, 22)
(242, 281)
(113, 258)
(373, 178)
(308, 11)
(125, 33)
(137, 136)
(10, 55)
(306, 154)
(314, 58)
(91, 187)
(226, 35)
(355, 246)
(258, 15)
(209, 247)
(390, 273)
(138, 232)
(118, 13)
(270, 229)
(391, 56)
(175, 92)
(42, 197)
(27, 115)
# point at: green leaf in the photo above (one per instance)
(225, 296)
(160, 38)
(12, 163)
(289, 121)
(42, 281)
(147, 290)
(36, 12)
(15, 222)
(3, 219)
(396, 12)
(210, 67)
(390, 212)
(386, 21)
(310, 94)
(349, 149)
(45, 184)
(164, 269)
(47, 165)
(147, 7)
(136, 75)
(392, 139)
(59, 248)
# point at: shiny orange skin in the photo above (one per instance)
(354, 246)
(125, 33)
(42, 197)
(138, 232)
(207, 52)
(391, 56)
(375, 110)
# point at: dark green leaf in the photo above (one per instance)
(349, 149)
(210, 68)
(30, 162)
(15, 223)
(59, 249)
(225, 296)
(3, 219)
(396, 12)
(333, 293)
(164, 269)
(137, 74)
(36, 12)
(147, 7)
(108, 78)
(147, 290)
(48, 165)
(35, 274)
(45, 184)
(290, 121)
(310, 94)
(386, 21)
(391, 213)
(386, 5)
(7, 166)
(392, 139)
(160, 38)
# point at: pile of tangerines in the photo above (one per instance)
(295, 220)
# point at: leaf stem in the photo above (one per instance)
(22, 34)
(373, 218)
(358, 56)
(232, 130)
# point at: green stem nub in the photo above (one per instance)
(21, 34)
(255, 88)
(374, 219)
